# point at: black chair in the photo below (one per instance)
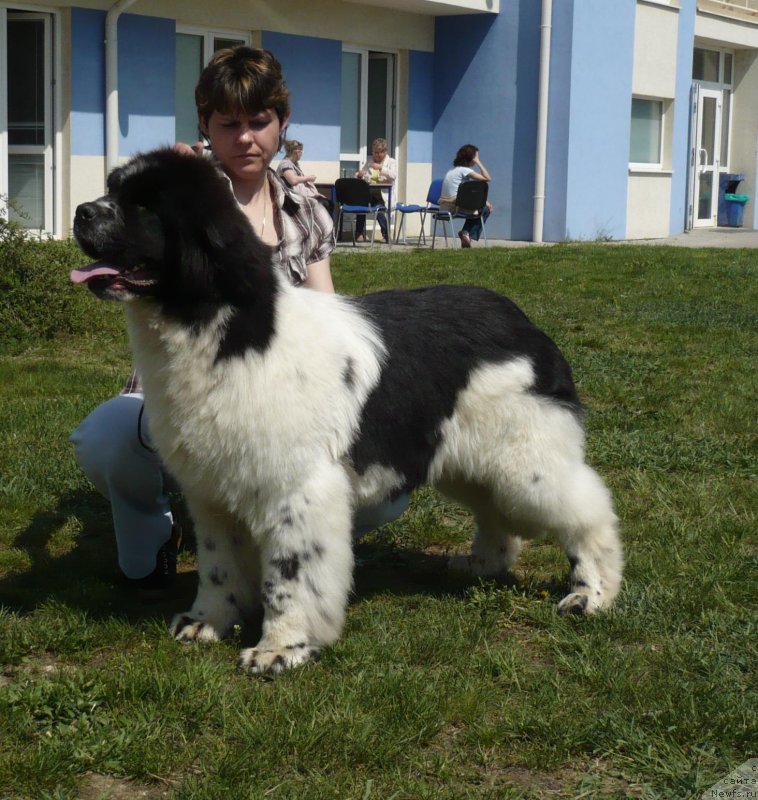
(470, 203)
(354, 197)
(432, 204)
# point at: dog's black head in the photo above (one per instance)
(170, 229)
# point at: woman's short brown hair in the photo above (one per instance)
(242, 79)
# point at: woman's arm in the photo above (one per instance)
(483, 175)
(293, 179)
(320, 277)
(388, 172)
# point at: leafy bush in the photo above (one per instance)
(38, 302)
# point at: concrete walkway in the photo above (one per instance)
(700, 237)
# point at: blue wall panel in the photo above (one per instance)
(680, 136)
(87, 82)
(420, 106)
(602, 63)
(146, 82)
(313, 70)
(146, 58)
(485, 81)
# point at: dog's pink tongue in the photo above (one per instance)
(92, 271)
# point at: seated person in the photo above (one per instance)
(380, 168)
(463, 170)
(289, 168)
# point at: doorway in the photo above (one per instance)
(707, 106)
(368, 105)
(710, 133)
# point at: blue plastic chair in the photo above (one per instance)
(432, 204)
(353, 196)
(470, 202)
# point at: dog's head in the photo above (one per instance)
(170, 229)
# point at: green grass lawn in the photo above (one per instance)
(438, 688)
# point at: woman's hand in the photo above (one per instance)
(189, 150)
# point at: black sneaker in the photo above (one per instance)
(162, 578)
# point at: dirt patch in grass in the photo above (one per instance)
(97, 787)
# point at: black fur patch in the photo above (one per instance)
(435, 338)
(288, 567)
(348, 373)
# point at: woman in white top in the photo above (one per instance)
(380, 168)
(463, 170)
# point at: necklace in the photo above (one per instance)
(263, 224)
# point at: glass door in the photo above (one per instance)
(354, 102)
(368, 105)
(707, 156)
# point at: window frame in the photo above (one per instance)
(651, 166)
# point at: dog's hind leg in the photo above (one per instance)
(591, 541)
(307, 564)
(495, 548)
(570, 501)
(228, 573)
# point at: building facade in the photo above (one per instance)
(644, 107)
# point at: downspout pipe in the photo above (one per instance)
(538, 221)
(111, 83)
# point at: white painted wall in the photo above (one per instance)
(655, 49)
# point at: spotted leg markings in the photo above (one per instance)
(185, 628)
(258, 661)
(583, 598)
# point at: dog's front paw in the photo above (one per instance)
(185, 628)
(578, 603)
(258, 660)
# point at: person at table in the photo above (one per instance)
(379, 169)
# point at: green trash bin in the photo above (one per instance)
(735, 208)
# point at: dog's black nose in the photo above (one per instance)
(86, 211)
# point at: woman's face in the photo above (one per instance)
(296, 154)
(245, 144)
(378, 153)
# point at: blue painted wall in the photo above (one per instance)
(680, 148)
(589, 126)
(313, 70)
(87, 82)
(485, 92)
(146, 63)
(146, 50)
(420, 106)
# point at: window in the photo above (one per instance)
(646, 139)
(26, 152)
(193, 51)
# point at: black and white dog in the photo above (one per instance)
(281, 410)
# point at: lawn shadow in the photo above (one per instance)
(387, 569)
(86, 576)
(83, 575)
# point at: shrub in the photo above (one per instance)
(38, 302)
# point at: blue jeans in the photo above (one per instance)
(473, 227)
